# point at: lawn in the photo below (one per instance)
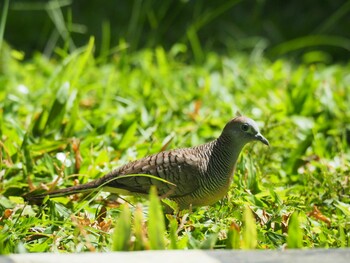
(72, 118)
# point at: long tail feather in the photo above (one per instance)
(37, 198)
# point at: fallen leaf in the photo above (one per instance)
(316, 213)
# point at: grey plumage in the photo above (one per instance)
(195, 176)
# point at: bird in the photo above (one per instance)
(192, 177)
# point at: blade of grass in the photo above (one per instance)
(173, 226)
(144, 175)
(333, 20)
(122, 231)
(310, 41)
(156, 225)
(140, 237)
(195, 44)
(249, 230)
(233, 237)
(82, 63)
(295, 233)
(105, 42)
(135, 25)
(53, 9)
(28, 160)
(3, 21)
(58, 109)
(128, 136)
(209, 241)
(210, 15)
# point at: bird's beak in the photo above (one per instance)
(261, 138)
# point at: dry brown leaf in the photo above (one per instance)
(101, 216)
(235, 227)
(197, 106)
(284, 223)
(316, 213)
(6, 215)
(77, 155)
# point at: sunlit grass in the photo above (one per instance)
(70, 120)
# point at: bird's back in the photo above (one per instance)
(193, 176)
(175, 173)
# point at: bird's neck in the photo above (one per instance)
(228, 150)
(222, 160)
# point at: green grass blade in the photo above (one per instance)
(233, 237)
(105, 41)
(140, 237)
(173, 226)
(209, 241)
(122, 231)
(249, 230)
(54, 11)
(156, 225)
(295, 233)
(27, 155)
(310, 41)
(58, 109)
(144, 175)
(3, 21)
(332, 20)
(197, 49)
(83, 61)
(128, 136)
(135, 23)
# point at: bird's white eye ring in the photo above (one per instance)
(245, 127)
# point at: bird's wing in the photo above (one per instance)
(175, 173)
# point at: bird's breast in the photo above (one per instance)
(208, 193)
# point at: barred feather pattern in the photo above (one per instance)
(196, 176)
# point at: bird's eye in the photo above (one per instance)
(245, 127)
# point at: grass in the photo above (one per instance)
(72, 119)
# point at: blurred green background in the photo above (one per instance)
(310, 31)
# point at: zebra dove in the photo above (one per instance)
(196, 176)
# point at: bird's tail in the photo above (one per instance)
(35, 197)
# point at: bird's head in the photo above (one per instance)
(244, 130)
